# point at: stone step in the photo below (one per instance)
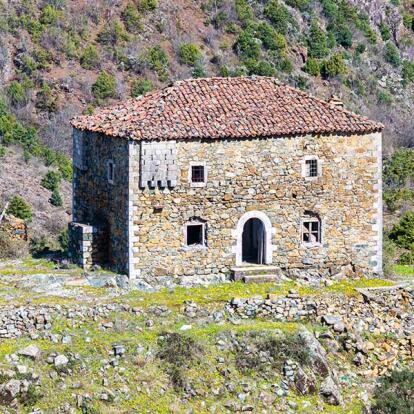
(260, 278)
(240, 272)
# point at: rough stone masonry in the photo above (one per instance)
(210, 174)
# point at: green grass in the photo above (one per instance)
(404, 270)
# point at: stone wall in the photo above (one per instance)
(263, 178)
(98, 202)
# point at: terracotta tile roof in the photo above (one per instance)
(224, 108)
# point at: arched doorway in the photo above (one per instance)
(253, 241)
(253, 236)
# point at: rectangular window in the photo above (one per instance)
(312, 168)
(197, 174)
(195, 235)
(311, 231)
(111, 171)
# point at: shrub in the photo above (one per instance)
(389, 250)
(278, 15)
(2, 151)
(63, 240)
(157, 59)
(402, 233)
(56, 198)
(147, 5)
(141, 87)
(408, 71)
(11, 248)
(49, 15)
(407, 20)
(51, 180)
(302, 5)
(132, 19)
(113, 34)
(384, 97)
(343, 36)
(244, 10)
(90, 58)
(270, 38)
(263, 68)
(407, 258)
(16, 93)
(395, 394)
(190, 54)
(312, 67)
(179, 352)
(317, 45)
(392, 54)
(334, 66)
(20, 208)
(46, 99)
(199, 71)
(105, 86)
(385, 31)
(247, 46)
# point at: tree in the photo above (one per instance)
(132, 19)
(141, 87)
(51, 180)
(334, 66)
(90, 58)
(190, 54)
(56, 198)
(20, 208)
(402, 233)
(317, 42)
(105, 86)
(278, 15)
(392, 54)
(312, 67)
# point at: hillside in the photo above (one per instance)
(59, 58)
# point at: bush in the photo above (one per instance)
(132, 19)
(20, 208)
(247, 46)
(384, 97)
(392, 54)
(49, 15)
(263, 68)
(105, 86)
(407, 258)
(278, 15)
(2, 151)
(179, 352)
(51, 180)
(317, 42)
(56, 198)
(270, 38)
(90, 58)
(302, 5)
(113, 34)
(16, 93)
(199, 71)
(312, 67)
(141, 87)
(147, 5)
(389, 250)
(385, 31)
(395, 394)
(343, 36)
(408, 71)
(64, 240)
(402, 233)
(11, 248)
(46, 99)
(157, 59)
(244, 11)
(190, 54)
(334, 66)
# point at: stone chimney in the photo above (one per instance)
(335, 101)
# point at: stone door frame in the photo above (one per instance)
(238, 235)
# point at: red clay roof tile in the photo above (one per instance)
(224, 108)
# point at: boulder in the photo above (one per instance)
(31, 351)
(61, 361)
(305, 384)
(330, 391)
(9, 391)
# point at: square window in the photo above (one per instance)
(312, 168)
(197, 174)
(110, 172)
(311, 231)
(195, 235)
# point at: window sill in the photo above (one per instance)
(312, 178)
(311, 245)
(195, 247)
(197, 185)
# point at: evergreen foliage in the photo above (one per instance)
(20, 208)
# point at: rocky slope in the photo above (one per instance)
(60, 58)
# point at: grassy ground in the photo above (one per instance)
(404, 270)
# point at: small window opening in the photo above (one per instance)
(195, 234)
(111, 171)
(197, 174)
(312, 168)
(311, 230)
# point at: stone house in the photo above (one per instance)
(209, 177)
